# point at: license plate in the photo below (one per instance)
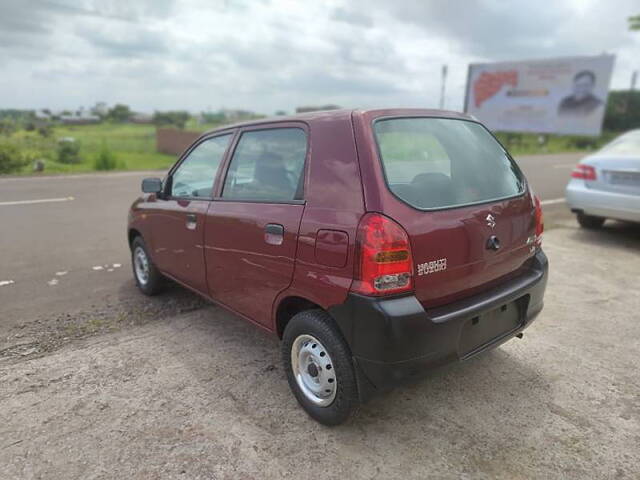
(630, 179)
(485, 328)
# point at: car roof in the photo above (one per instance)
(344, 114)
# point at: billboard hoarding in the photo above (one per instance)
(560, 96)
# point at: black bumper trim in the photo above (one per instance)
(487, 301)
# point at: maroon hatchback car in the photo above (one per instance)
(376, 244)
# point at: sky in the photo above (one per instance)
(274, 55)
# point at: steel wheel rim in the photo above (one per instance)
(313, 370)
(141, 265)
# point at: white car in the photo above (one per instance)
(607, 183)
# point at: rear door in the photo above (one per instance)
(178, 220)
(461, 199)
(252, 226)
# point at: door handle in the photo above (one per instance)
(192, 221)
(273, 234)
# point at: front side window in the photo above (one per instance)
(267, 165)
(433, 163)
(195, 175)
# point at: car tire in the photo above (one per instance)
(319, 367)
(589, 221)
(148, 279)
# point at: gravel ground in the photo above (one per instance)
(175, 388)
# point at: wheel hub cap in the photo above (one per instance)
(313, 369)
(141, 264)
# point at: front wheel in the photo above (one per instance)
(589, 221)
(319, 367)
(148, 278)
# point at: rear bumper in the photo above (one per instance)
(601, 203)
(395, 340)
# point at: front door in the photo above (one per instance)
(252, 228)
(178, 226)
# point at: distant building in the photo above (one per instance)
(80, 117)
(43, 115)
(142, 118)
(311, 108)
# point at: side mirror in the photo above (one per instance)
(152, 185)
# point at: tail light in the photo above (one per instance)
(539, 220)
(585, 172)
(383, 262)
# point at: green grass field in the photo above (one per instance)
(134, 147)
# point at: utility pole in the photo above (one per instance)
(634, 77)
(442, 88)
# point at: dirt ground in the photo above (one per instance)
(175, 388)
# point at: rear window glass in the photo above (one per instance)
(624, 146)
(433, 163)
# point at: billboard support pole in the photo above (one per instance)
(443, 86)
(466, 90)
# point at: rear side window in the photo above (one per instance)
(195, 175)
(267, 165)
(433, 163)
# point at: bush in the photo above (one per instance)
(45, 131)
(105, 160)
(623, 110)
(176, 118)
(119, 113)
(7, 126)
(11, 159)
(585, 143)
(68, 151)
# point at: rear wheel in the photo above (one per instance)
(319, 367)
(148, 278)
(589, 221)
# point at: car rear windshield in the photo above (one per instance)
(433, 163)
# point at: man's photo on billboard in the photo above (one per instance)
(582, 101)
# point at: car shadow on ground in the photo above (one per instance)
(612, 234)
(173, 299)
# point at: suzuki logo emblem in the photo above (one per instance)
(491, 221)
(493, 243)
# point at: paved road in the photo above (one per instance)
(549, 174)
(69, 251)
(42, 241)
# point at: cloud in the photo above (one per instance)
(126, 43)
(352, 17)
(506, 29)
(271, 55)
